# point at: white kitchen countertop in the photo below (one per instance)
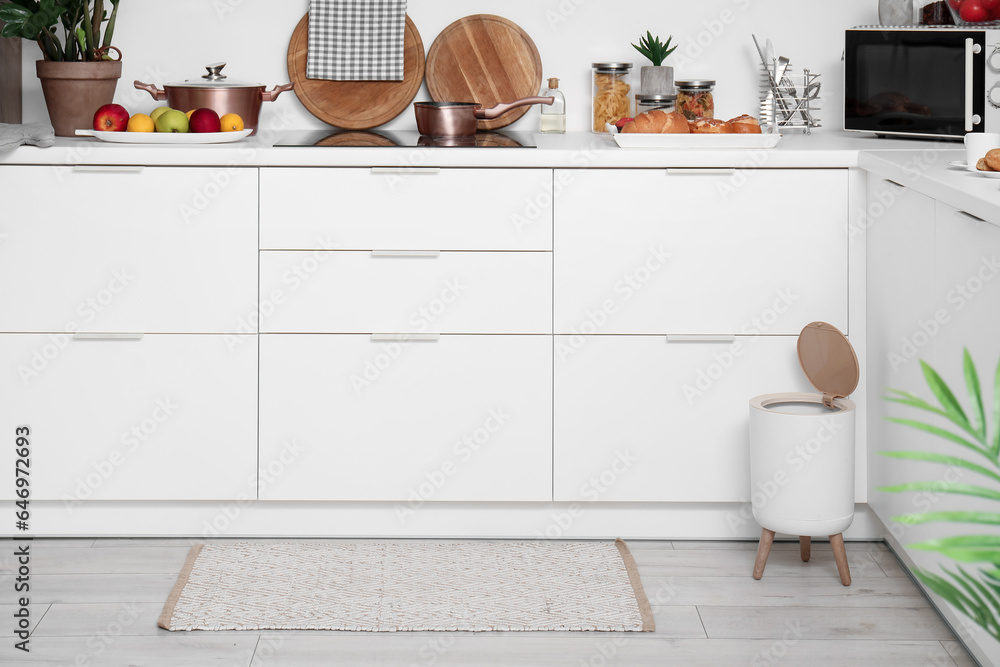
(575, 149)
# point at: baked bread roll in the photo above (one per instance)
(993, 159)
(982, 166)
(745, 125)
(710, 126)
(657, 121)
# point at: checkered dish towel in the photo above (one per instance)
(356, 40)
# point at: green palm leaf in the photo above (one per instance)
(975, 394)
(990, 518)
(941, 433)
(965, 548)
(941, 486)
(996, 414)
(942, 458)
(947, 399)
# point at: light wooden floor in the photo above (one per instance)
(95, 603)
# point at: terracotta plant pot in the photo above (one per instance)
(75, 90)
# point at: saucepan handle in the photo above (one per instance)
(157, 93)
(272, 95)
(500, 109)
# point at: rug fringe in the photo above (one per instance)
(648, 623)
(175, 593)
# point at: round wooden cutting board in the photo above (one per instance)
(486, 59)
(356, 105)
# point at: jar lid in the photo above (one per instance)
(612, 67)
(214, 79)
(651, 99)
(696, 84)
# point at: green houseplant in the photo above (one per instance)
(974, 590)
(655, 79)
(78, 72)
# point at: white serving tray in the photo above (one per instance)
(694, 141)
(166, 137)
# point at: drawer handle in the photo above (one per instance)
(406, 253)
(702, 338)
(430, 338)
(407, 170)
(727, 172)
(974, 217)
(108, 336)
(106, 168)
(889, 180)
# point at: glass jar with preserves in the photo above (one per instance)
(612, 89)
(695, 98)
(645, 103)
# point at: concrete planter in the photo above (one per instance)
(75, 90)
(657, 80)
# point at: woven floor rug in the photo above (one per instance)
(386, 587)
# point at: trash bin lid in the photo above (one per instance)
(829, 360)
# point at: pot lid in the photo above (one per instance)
(214, 79)
(828, 360)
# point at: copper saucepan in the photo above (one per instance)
(459, 119)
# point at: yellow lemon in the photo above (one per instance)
(190, 112)
(231, 123)
(140, 123)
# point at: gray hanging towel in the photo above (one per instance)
(356, 40)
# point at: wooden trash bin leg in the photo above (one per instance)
(805, 547)
(840, 553)
(763, 550)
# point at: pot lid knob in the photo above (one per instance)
(215, 72)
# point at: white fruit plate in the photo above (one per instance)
(693, 141)
(166, 137)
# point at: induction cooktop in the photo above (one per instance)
(404, 139)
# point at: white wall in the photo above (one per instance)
(164, 42)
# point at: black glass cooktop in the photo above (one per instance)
(385, 139)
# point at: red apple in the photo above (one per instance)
(973, 11)
(111, 118)
(205, 120)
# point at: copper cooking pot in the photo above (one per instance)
(460, 119)
(218, 93)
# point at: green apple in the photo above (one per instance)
(172, 121)
(157, 111)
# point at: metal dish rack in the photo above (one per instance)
(788, 99)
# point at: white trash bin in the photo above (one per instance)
(802, 450)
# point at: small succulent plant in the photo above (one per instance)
(653, 49)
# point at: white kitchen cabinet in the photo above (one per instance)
(164, 417)
(641, 419)
(400, 291)
(127, 249)
(406, 208)
(459, 418)
(695, 251)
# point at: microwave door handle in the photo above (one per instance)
(971, 49)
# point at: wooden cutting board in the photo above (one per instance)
(486, 59)
(356, 105)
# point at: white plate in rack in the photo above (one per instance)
(166, 137)
(694, 141)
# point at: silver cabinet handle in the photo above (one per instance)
(108, 336)
(406, 253)
(430, 338)
(107, 169)
(700, 171)
(974, 217)
(701, 338)
(889, 180)
(406, 170)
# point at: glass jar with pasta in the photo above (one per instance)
(612, 93)
(695, 98)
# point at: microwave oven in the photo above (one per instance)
(941, 82)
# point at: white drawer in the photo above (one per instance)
(654, 421)
(406, 291)
(405, 209)
(465, 418)
(166, 417)
(651, 252)
(170, 250)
